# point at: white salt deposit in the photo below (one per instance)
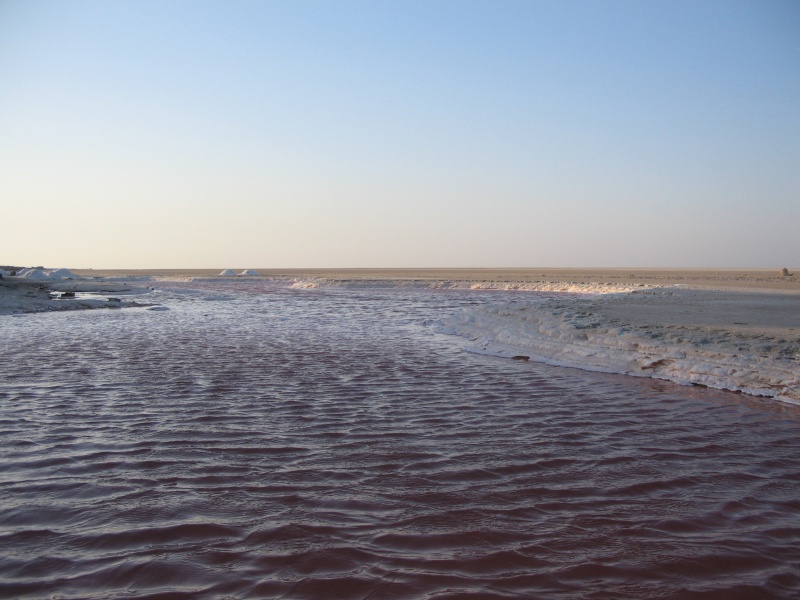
(35, 274)
(228, 273)
(248, 273)
(61, 274)
(304, 284)
(591, 335)
(577, 287)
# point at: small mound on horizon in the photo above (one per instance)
(248, 273)
(228, 273)
(61, 274)
(35, 274)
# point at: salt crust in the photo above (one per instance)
(559, 287)
(602, 334)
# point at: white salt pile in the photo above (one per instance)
(61, 274)
(35, 274)
(228, 273)
(248, 273)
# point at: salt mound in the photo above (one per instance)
(248, 272)
(36, 274)
(228, 273)
(61, 274)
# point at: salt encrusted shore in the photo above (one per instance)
(21, 296)
(744, 341)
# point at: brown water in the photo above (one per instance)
(328, 444)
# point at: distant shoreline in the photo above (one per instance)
(728, 279)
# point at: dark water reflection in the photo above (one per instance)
(326, 444)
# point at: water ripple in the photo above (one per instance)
(326, 443)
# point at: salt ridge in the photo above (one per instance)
(511, 286)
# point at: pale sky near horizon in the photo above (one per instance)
(178, 134)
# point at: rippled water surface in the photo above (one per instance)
(260, 442)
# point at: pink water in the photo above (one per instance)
(329, 444)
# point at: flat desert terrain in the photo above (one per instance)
(729, 279)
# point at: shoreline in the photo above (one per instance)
(745, 341)
(735, 330)
(744, 279)
(20, 296)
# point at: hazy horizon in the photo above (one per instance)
(618, 134)
(495, 268)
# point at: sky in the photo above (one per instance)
(290, 134)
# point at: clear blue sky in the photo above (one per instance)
(400, 134)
